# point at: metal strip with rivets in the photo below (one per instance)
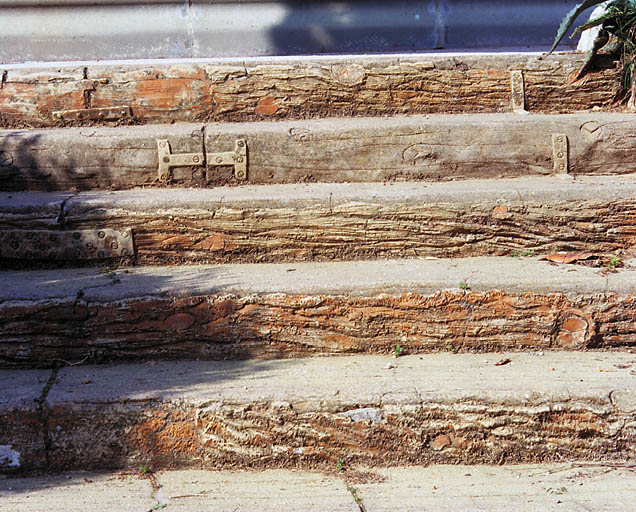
(93, 244)
(560, 153)
(518, 92)
(166, 159)
(94, 114)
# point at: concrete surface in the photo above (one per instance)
(528, 378)
(563, 487)
(511, 191)
(268, 491)
(557, 487)
(48, 206)
(70, 30)
(513, 275)
(77, 491)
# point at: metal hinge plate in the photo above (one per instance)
(94, 114)
(66, 245)
(236, 158)
(518, 96)
(560, 153)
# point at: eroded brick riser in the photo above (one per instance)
(281, 326)
(257, 435)
(310, 89)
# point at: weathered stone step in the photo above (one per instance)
(298, 88)
(326, 222)
(295, 309)
(456, 488)
(372, 410)
(416, 148)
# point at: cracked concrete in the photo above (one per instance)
(556, 487)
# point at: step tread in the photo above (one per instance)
(509, 190)
(312, 412)
(452, 488)
(443, 378)
(356, 278)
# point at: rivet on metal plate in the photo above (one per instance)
(560, 153)
(66, 245)
(518, 92)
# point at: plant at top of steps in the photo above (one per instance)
(617, 34)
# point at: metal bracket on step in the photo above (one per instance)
(236, 158)
(43, 244)
(518, 96)
(94, 114)
(560, 153)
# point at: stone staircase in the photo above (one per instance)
(316, 263)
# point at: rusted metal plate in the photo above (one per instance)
(94, 114)
(65, 245)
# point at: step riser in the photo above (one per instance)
(365, 231)
(301, 88)
(275, 326)
(255, 435)
(434, 148)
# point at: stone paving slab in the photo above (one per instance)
(78, 491)
(267, 491)
(561, 487)
(526, 488)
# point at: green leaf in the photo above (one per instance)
(569, 19)
(593, 23)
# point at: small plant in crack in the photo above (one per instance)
(340, 465)
(398, 350)
(524, 254)
(354, 493)
(109, 272)
(613, 263)
(464, 285)
(144, 470)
